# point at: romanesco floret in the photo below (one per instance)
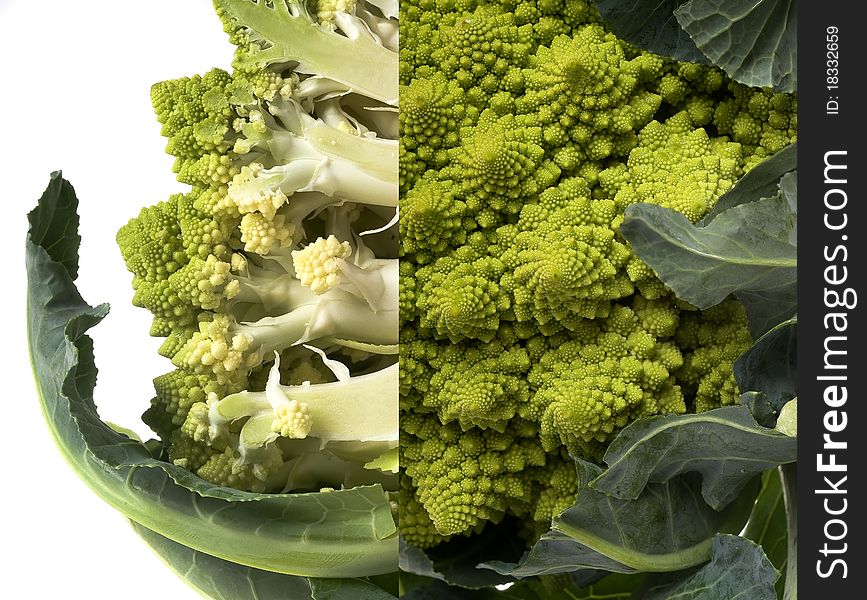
(498, 163)
(568, 267)
(461, 300)
(677, 166)
(480, 387)
(465, 478)
(432, 220)
(432, 113)
(584, 89)
(711, 341)
(589, 388)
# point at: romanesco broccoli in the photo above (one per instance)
(529, 329)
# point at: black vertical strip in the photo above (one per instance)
(832, 235)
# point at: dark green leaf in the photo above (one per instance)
(345, 533)
(584, 578)
(760, 407)
(414, 560)
(755, 43)
(455, 562)
(746, 250)
(613, 586)
(770, 367)
(437, 590)
(390, 582)
(739, 570)
(767, 524)
(667, 528)
(54, 224)
(725, 445)
(651, 25)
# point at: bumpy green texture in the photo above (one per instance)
(529, 329)
(261, 264)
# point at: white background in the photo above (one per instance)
(75, 96)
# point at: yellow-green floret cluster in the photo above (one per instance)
(530, 331)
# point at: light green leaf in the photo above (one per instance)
(789, 477)
(767, 524)
(755, 43)
(725, 445)
(387, 461)
(746, 250)
(739, 570)
(220, 579)
(289, 35)
(557, 552)
(223, 580)
(345, 533)
(787, 422)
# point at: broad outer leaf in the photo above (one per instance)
(345, 533)
(220, 579)
(739, 570)
(725, 445)
(767, 524)
(651, 25)
(755, 43)
(667, 528)
(762, 181)
(770, 367)
(746, 250)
